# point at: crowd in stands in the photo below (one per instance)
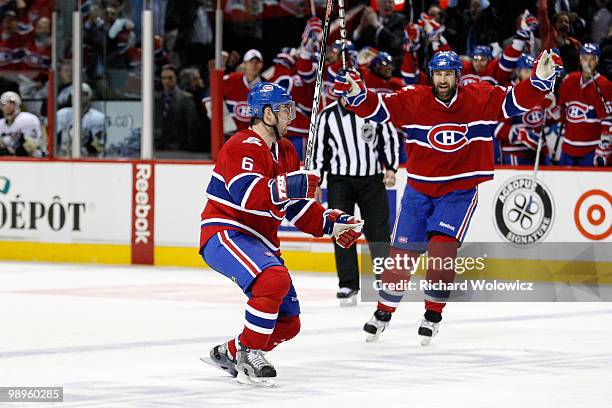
(390, 44)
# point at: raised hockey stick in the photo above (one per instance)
(314, 117)
(342, 19)
(607, 106)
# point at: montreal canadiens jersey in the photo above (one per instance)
(537, 117)
(235, 91)
(37, 54)
(25, 127)
(583, 112)
(239, 197)
(381, 85)
(449, 146)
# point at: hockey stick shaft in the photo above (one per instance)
(601, 96)
(314, 117)
(557, 143)
(342, 19)
(539, 150)
(313, 8)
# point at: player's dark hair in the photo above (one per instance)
(170, 67)
(255, 121)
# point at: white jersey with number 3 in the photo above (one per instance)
(27, 125)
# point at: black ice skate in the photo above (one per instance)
(376, 325)
(220, 358)
(430, 325)
(347, 296)
(253, 368)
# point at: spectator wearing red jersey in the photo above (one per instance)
(38, 47)
(12, 41)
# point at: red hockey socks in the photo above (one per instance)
(442, 252)
(404, 261)
(261, 313)
(286, 329)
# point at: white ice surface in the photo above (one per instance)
(131, 337)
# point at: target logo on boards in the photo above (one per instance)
(593, 214)
(523, 211)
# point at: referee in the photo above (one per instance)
(360, 158)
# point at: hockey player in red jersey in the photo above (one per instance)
(237, 85)
(449, 134)
(586, 113)
(256, 183)
(518, 136)
(379, 74)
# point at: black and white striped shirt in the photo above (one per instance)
(347, 145)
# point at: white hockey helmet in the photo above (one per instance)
(86, 90)
(10, 96)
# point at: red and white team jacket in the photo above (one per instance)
(533, 120)
(239, 196)
(12, 49)
(449, 146)
(235, 91)
(583, 113)
(37, 55)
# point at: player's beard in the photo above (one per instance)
(445, 94)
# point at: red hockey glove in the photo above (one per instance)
(348, 84)
(344, 228)
(527, 25)
(296, 185)
(526, 137)
(311, 38)
(412, 37)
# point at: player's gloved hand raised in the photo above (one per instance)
(525, 137)
(311, 37)
(547, 67)
(296, 185)
(412, 37)
(431, 27)
(344, 228)
(348, 84)
(527, 25)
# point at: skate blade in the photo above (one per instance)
(370, 338)
(242, 378)
(425, 340)
(352, 301)
(213, 364)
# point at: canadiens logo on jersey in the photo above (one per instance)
(576, 111)
(533, 118)
(241, 112)
(448, 137)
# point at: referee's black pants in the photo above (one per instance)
(369, 193)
